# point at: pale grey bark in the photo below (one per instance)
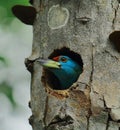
(83, 26)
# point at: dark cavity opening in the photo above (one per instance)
(25, 14)
(48, 78)
(115, 40)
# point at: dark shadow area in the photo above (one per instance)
(115, 40)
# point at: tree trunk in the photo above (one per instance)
(83, 26)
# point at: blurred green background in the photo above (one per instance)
(15, 46)
(6, 15)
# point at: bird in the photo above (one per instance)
(64, 68)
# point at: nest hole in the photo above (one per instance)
(25, 14)
(48, 78)
(115, 40)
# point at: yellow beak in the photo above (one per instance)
(49, 63)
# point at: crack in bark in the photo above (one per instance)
(78, 5)
(65, 121)
(107, 124)
(88, 122)
(45, 112)
(113, 56)
(92, 64)
(115, 13)
(91, 79)
(106, 108)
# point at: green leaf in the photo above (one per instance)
(7, 90)
(3, 60)
(6, 15)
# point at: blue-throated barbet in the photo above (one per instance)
(64, 68)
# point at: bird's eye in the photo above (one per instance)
(63, 59)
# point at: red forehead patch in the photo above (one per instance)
(56, 58)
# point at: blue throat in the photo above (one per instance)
(67, 74)
(66, 79)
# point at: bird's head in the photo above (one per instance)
(64, 68)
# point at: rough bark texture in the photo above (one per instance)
(83, 26)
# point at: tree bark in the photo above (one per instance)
(84, 26)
